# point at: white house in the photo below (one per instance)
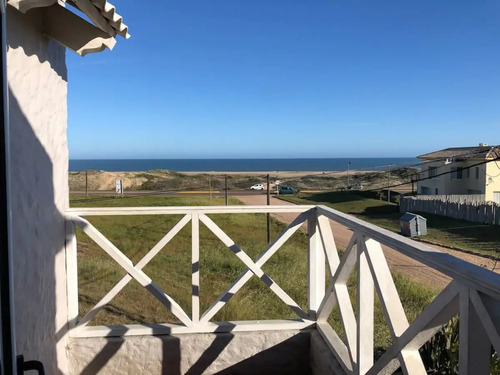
(461, 170)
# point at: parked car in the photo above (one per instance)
(257, 187)
(286, 189)
(355, 187)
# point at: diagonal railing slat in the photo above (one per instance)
(135, 273)
(256, 270)
(338, 294)
(261, 260)
(140, 265)
(336, 345)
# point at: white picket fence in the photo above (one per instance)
(460, 208)
(474, 292)
(454, 198)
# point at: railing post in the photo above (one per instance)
(365, 315)
(71, 273)
(316, 265)
(195, 267)
(474, 347)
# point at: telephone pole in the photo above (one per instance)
(388, 185)
(86, 183)
(268, 215)
(348, 181)
(225, 187)
(210, 186)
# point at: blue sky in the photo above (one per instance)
(294, 78)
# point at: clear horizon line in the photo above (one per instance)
(269, 158)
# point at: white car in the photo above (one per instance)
(257, 187)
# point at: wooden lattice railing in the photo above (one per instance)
(473, 294)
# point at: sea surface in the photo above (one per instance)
(239, 165)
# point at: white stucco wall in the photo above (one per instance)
(39, 162)
(266, 352)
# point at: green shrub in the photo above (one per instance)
(440, 353)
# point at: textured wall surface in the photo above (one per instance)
(39, 162)
(322, 360)
(271, 352)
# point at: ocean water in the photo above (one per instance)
(243, 165)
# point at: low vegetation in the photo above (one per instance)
(158, 180)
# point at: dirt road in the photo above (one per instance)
(397, 261)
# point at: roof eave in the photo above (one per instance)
(72, 31)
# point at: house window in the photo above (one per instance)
(456, 173)
(424, 190)
(436, 191)
(468, 172)
(432, 171)
(473, 191)
(477, 173)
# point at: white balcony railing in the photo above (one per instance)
(473, 294)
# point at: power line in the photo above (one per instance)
(422, 163)
(439, 174)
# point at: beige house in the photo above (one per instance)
(461, 170)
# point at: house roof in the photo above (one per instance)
(107, 11)
(75, 32)
(479, 152)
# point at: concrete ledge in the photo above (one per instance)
(265, 352)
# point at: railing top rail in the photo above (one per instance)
(180, 210)
(477, 277)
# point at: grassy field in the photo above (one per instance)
(219, 267)
(442, 230)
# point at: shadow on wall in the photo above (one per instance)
(16, 38)
(196, 354)
(37, 236)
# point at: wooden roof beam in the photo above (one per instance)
(73, 32)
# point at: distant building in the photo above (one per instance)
(453, 171)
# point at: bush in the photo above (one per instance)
(440, 353)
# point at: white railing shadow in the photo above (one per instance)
(473, 294)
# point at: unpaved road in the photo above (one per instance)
(397, 261)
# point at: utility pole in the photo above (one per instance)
(210, 186)
(86, 183)
(388, 184)
(348, 182)
(268, 215)
(225, 187)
